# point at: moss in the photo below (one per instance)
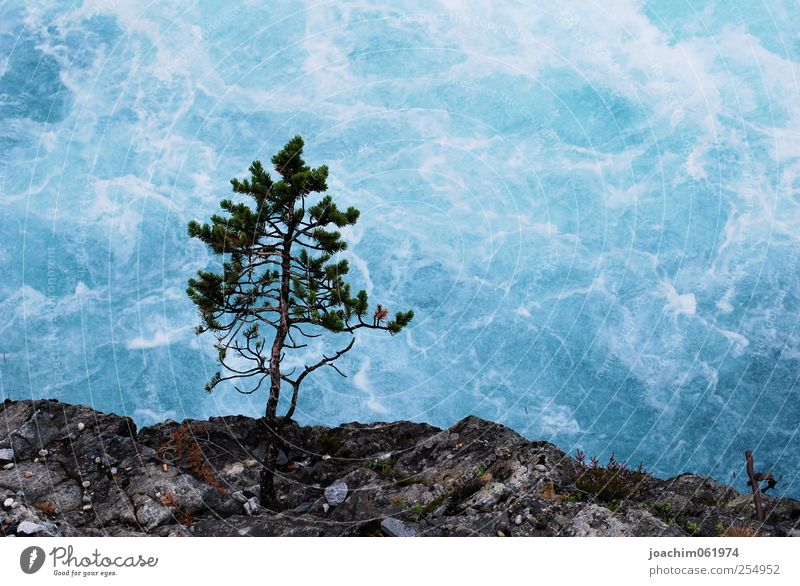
(381, 466)
(330, 444)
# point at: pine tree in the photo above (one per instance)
(281, 277)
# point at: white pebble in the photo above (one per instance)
(8, 502)
(87, 507)
(86, 484)
(42, 453)
(81, 426)
(97, 460)
(326, 507)
(8, 466)
(113, 471)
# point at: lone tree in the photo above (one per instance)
(281, 279)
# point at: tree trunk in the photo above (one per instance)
(267, 479)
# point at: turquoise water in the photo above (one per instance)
(593, 211)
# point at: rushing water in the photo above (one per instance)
(593, 211)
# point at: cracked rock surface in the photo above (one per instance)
(70, 470)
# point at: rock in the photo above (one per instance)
(27, 474)
(232, 470)
(43, 453)
(252, 506)
(396, 528)
(8, 466)
(6, 455)
(31, 528)
(151, 514)
(304, 508)
(336, 493)
(81, 426)
(476, 478)
(282, 459)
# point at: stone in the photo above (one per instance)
(86, 498)
(81, 426)
(282, 459)
(87, 507)
(86, 484)
(27, 474)
(396, 528)
(304, 507)
(6, 455)
(8, 466)
(29, 528)
(325, 508)
(540, 467)
(518, 520)
(151, 514)
(232, 470)
(8, 502)
(239, 497)
(42, 453)
(113, 471)
(336, 493)
(251, 506)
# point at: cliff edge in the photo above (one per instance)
(70, 470)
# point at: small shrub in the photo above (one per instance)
(610, 484)
(692, 527)
(183, 443)
(664, 512)
(330, 444)
(382, 467)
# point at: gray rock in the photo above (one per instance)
(252, 506)
(6, 455)
(304, 507)
(282, 459)
(8, 466)
(239, 497)
(43, 453)
(396, 528)
(151, 514)
(336, 493)
(31, 528)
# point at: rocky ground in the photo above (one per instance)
(70, 470)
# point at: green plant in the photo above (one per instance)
(330, 444)
(692, 527)
(719, 529)
(610, 484)
(664, 512)
(279, 272)
(381, 466)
